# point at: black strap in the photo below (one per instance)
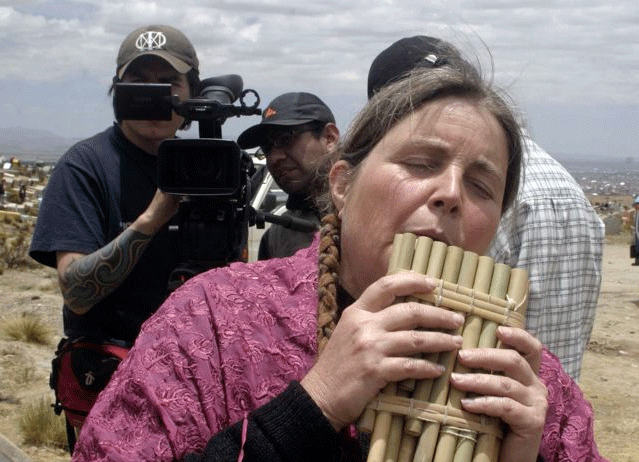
(70, 435)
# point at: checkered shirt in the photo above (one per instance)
(553, 231)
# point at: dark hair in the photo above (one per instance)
(192, 77)
(316, 128)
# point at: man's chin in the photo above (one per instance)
(291, 186)
(294, 189)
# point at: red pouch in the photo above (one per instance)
(80, 370)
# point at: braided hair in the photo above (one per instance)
(329, 266)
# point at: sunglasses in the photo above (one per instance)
(282, 138)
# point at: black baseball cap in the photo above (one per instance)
(405, 55)
(287, 110)
(163, 41)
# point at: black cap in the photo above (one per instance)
(402, 57)
(286, 110)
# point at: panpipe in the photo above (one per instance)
(423, 421)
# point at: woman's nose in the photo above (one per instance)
(447, 191)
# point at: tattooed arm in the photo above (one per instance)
(87, 279)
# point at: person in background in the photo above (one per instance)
(297, 134)
(22, 193)
(275, 360)
(103, 222)
(552, 230)
(634, 249)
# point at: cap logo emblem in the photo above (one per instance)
(431, 58)
(150, 40)
(270, 112)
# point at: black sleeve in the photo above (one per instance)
(263, 252)
(72, 213)
(289, 428)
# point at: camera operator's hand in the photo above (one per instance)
(161, 209)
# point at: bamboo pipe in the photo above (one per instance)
(487, 447)
(407, 443)
(445, 449)
(383, 419)
(428, 431)
(420, 256)
(427, 443)
(366, 421)
(460, 298)
(447, 445)
(442, 262)
(432, 265)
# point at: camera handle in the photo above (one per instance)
(211, 113)
(259, 218)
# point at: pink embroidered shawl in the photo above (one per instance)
(230, 340)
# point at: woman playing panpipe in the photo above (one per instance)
(276, 361)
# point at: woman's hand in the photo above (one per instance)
(375, 342)
(516, 396)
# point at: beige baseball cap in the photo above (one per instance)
(163, 41)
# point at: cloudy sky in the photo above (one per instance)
(571, 65)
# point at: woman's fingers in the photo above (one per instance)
(378, 340)
(415, 315)
(410, 342)
(383, 292)
(523, 342)
(385, 297)
(520, 361)
(506, 383)
(485, 384)
(396, 369)
(505, 361)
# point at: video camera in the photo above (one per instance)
(211, 175)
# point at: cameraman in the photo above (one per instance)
(103, 223)
(297, 134)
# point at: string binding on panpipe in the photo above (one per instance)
(423, 421)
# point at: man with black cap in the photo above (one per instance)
(103, 223)
(551, 229)
(297, 134)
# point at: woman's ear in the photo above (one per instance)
(339, 182)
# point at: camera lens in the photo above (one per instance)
(201, 168)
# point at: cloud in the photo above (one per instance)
(568, 45)
(556, 52)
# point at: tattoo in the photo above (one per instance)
(89, 279)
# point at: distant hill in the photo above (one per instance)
(32, 144)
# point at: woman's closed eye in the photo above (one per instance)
(482, 188)
(422, 165)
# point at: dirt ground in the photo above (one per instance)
(610, 373)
